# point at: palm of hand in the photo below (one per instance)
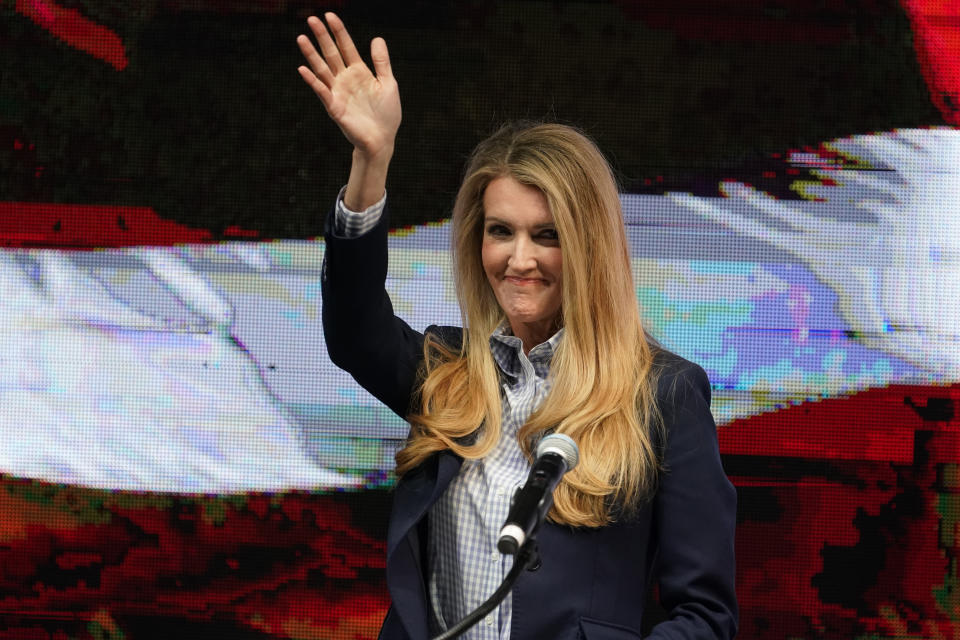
(366, 108)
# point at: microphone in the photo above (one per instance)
(556, 454)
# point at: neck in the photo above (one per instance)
(533, 334)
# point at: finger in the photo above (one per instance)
(331, 54)
(320, 68)
(319, 88)
(345, 43)
(381, 59)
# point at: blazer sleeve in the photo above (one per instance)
(694, 514)
(362, 334)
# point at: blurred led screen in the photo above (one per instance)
(178, 455)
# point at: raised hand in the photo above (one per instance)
(365, 106)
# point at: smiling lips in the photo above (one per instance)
(524, 282)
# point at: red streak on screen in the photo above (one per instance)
(78, 31)
(80, 226)
(936, 38)
(876, 425)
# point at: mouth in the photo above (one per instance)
(524, 282)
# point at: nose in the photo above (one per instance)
(524, 254)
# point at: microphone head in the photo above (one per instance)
(563, 446)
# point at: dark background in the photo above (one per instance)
(209, 124)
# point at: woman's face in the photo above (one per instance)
(521, 257)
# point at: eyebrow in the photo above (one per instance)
(489, 219)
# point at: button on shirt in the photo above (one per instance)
(464, 524)
(465, 565)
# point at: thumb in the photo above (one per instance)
(381, 58)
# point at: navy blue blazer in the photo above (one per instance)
(593, 582)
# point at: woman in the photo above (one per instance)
(552, 342)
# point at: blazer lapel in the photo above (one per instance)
(413, 496)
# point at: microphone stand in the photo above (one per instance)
(527, 557)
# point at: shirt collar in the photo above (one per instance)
(508, 353)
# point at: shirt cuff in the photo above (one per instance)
(352, 224)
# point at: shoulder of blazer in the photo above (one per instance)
(451, 337)
(676, 377)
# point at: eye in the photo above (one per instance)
(548, 235)
(498, 230)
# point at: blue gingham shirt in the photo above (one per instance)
(464, 563)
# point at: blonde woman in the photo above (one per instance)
(552, 342)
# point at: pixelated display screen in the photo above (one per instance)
(178, 455)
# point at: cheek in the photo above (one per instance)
(556, 264)
(489, 258)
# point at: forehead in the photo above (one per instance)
(511, 201)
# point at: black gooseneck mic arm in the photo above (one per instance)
(526, 557)
(556, 454)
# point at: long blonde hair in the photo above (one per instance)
(603, 381)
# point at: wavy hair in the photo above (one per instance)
(603, 380)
